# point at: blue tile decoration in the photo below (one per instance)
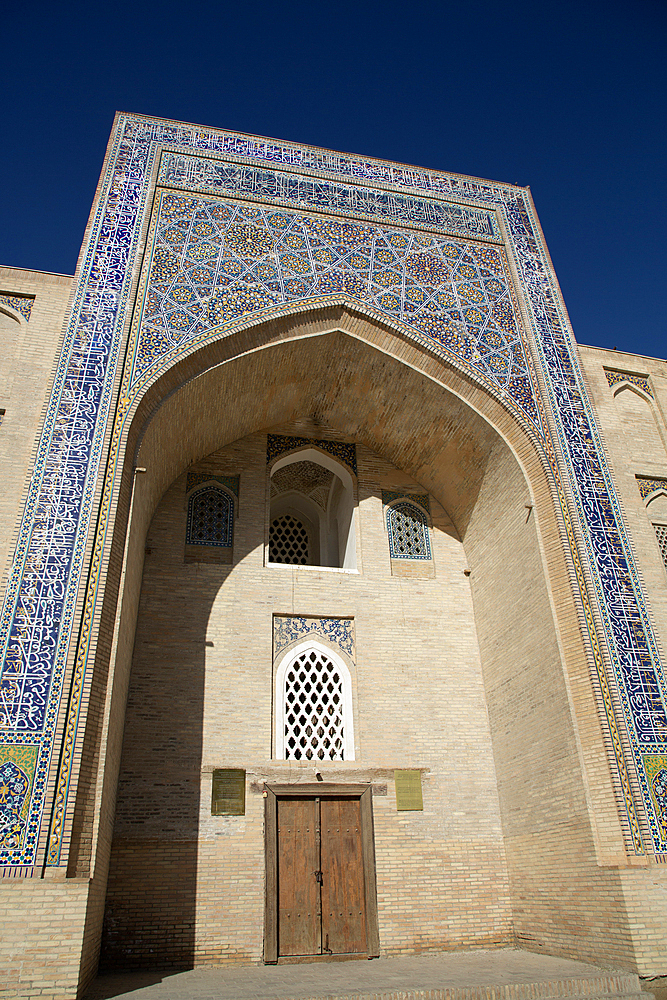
(282, 444)
(288, 629)
(280, 187)
(619, 378)
(655, 766)
(648, 485)
(14, 786)
(389, 496)
(17, 772)
(21, 303)
(407, 531)
(197, 478)
(214, 262)
(60, 515)
(210, 518)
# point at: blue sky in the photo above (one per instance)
(568, 97)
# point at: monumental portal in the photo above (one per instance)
(334, 591)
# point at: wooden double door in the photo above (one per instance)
(321, 898)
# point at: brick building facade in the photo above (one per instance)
(335, 579)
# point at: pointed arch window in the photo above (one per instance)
(210, 518)
(314, 706)
(661, 536)
(407, 529)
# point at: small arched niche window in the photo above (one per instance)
(656, 509)
(209, 535)
(313, 705)
(311, 518)
(661, 536)
(407, 528)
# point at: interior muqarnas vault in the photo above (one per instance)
(334, 591)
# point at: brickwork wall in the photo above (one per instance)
(27, 353)
(564, 902)
(201, 697)
(42, 928)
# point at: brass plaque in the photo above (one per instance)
(228, 797)
(409, 790)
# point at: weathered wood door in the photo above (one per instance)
(321, 885)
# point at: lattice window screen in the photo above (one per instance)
(314, 708)
(210, 518)
(288, 541)
(661, 535)
(408, 532)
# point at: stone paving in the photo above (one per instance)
(473, 975)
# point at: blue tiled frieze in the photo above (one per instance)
(37, 620)
(288, 629)
(281, 188)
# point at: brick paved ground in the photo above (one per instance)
(389, 976)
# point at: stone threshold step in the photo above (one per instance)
(515, 991)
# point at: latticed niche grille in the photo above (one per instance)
(288, 541)
(408, 532)
(661, 535)
(314, 707)
(210, 518)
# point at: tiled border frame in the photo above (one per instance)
(89, 362)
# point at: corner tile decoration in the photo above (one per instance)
(647, 485)
(249, 229)
(292, 628)
(389, 496)
(617, 378)
(197, 478)
(21, 303)
(281, 444)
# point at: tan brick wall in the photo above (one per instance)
(42, 929)
(27, 353)
(563, 901)
(201, 697)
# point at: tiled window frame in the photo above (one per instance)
(419, 517)
(198, 493)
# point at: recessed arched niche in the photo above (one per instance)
(311, 516)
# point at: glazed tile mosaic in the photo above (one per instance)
(210, 518)
(281, 444)
(416, 248)
(407, 531)
(648, 486)
(620, 378)
(282, 188)
(389, 496)
(288, 629)
(197, 478)
(214, 262)
(21, 303)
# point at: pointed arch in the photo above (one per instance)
(313, 699)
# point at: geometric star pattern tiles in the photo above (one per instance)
(214, 261)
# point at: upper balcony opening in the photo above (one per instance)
(311, 521)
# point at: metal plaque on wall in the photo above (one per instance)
(409, 790)
(228, 794)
